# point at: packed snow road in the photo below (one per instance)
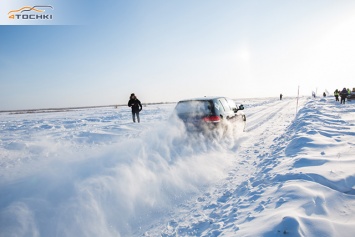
(94, 173)
(210, 214)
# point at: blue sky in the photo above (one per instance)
(172, 50)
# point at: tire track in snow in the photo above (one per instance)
(233, 197)
(257, 119)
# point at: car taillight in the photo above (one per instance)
(213, 118)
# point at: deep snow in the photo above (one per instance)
(92, 172)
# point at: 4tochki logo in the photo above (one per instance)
(31, 13)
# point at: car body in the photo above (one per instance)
(351, 96)
(208, 113)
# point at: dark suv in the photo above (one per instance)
(210, 112)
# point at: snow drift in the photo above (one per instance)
(94, 173)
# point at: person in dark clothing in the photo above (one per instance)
(136, 106)
(343, 95)
(336, 94)
(324, 94)
(280, 96)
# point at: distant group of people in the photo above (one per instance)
(343, 94)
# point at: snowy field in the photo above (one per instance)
(92, 172)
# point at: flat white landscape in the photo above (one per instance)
(93, 172)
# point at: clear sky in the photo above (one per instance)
(171, 50)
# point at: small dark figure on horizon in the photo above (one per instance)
(324, 94)
(343, 95)
(280, 96)
(136, 106)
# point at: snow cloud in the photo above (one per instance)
(108, 190)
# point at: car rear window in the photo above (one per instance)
(196, 107)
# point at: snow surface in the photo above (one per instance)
(92, 172)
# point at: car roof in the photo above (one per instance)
(204, 98)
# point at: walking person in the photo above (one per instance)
(280, 96)
(336, 94)
(343, 95)
(136, 106)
